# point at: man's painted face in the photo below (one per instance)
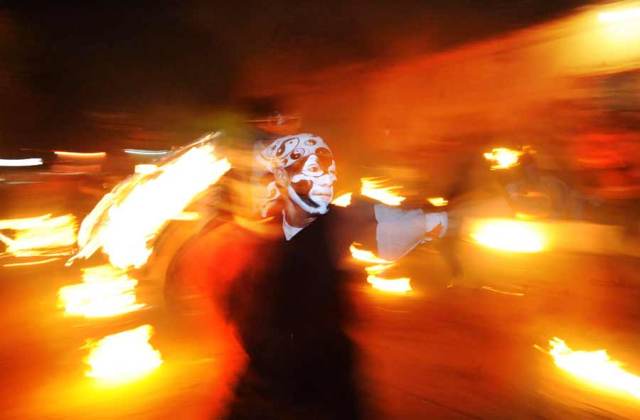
(312, 181)
(310, 167)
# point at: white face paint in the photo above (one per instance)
(312, 188)
(311, 171)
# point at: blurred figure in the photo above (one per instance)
(278, 278)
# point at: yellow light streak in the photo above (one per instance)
(105, 291)
(123, 357)
(508, 235)
(372, 188)
(27, 263)
(343, 200)
(618, 16)
(399, 285)
(80, 155)
(437, 201)
(594, 368)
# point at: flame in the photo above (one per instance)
(145, 168)
(129, 218)
(39, 236)
(343, 200)
(366, 256)
(437, 201)
(105, 291)
(509, 235)
(123, 357)
(372, 188)
(503, 158)
(399, 285)
(594, 368)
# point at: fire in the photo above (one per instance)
(105, 291)
(594, 368)
(366, 256)
(503, 158)
(437, 201)
(123, 357)
(127, 220)
(372, 188)
(509, 235)
(39, 236)
(399, 285)
(343, 200)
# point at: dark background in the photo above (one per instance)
(72, 71)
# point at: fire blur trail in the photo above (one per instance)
(104, 292)
(594, 368)
(42, 236)
(376, 266)
(124, 225)
(373, 188)
(508, 235)
(127, 220)
(123, 357)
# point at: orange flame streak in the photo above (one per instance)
(127, 220)
(343, 200)
(105, 291)
(123, 357)
(594, 368)
(372, 188)
(399, 285)
(508, 235)
(503, 158)
(366, 256)
(39, 236)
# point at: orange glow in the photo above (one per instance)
(503, 158)
(145, 168)
(343, 200)
(594, 368)
(399, 285)
(366, 256)
(105, 291)
(127, 220)
(39, 236)
(79, 155)
(123, 357)
(508, 235)
(372, 188)
(437, 201)
(27, 263)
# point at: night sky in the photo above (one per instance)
(64, 61)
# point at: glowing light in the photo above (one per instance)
(437, 201)
(123, 357)
(618, 16)
(188, 216)
(343, 200)
(143, 152)
(399, 285)
(21, 162)
(509, 235)
(366, 256)
(126, 221)
(503, 158)
(145, 168)
(372, 188)
(105, 291)
(79, 155)
(28, 263)
(39, 236)
(594, 368)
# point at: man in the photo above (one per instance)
(282, 284)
